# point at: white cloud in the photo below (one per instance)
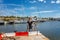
(34, 14)
(33, 8)
(58, 1)
(9, 12)
(52, 1)
(11, 4)
(43, 12)
(20, 9)
(5, 6)
(2, 7)
(33, 1)
(44, 1)
(37, 13)
(14, 4)
(40, 0)
(4, 11)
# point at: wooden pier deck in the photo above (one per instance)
(39, 36)
(36, 37)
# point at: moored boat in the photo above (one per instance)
(1, 22)
(19, 22)
(11, 22)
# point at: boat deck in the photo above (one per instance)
(30, 37)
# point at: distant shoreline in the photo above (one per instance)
(13, 18)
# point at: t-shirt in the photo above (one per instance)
(30, 24)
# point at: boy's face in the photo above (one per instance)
(30, 18)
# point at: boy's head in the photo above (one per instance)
(30, 18)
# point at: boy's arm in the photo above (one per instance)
(27, 27)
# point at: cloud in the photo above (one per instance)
(34, 14)
(4, 13)
(2, 7)
(33, 1)
(46, 11)
(9, 13)
(14, 4)
(16, 11)
(20, 9)
(53, 2)
(43, 12)
(44, 1)
(12, 12)
(38, 13)
(11, 5)
(58, 1)
(40, 0)
(32, 8)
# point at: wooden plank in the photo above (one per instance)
(36, 37)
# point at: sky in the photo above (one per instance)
(22, 8)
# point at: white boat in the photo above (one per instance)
(1, 22)
(11, 22)
(16, 22)
(19, 21)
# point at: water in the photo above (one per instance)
(50, 29)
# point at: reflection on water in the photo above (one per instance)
(49, 29)
(12, 28)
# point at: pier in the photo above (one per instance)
(24, 36)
